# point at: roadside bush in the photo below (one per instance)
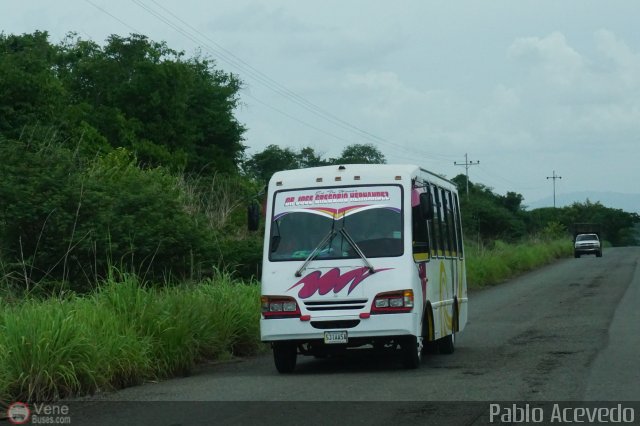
(554, 231)
(242, 256)
(36, 189)
(135, 219)
(222, 201)
(63, 220)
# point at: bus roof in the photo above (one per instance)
(354, 173)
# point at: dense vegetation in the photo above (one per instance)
(128, 156)
(124, 182)
(487, 216)
(125, 156)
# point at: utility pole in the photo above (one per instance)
(554, 177)
(466, 165)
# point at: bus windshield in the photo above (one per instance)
(303, 219)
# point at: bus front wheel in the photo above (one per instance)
(285, 355)
(411, 347)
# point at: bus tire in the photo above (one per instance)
(411, 347)
(447, 345)
(285, 355)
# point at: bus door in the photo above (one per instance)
(443, 232)
(449, 220)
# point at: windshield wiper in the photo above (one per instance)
(353, 244)
(328, 238)
(315, 251)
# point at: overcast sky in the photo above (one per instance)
(525, 87)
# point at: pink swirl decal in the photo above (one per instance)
(332, 280)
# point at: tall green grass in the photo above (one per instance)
(496, 263)
(125, 332)
(47, 355)
(121, 335)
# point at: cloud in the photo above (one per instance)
(381, 81)
(385, 99)
(256, 18)
(550, 56)
(610, 46)
(576, 101)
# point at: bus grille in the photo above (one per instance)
(336, 305)
(325, 325)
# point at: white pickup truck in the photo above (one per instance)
(587, 244)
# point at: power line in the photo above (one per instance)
(265, 79)
(256, 74)
(466, 165)
(250, 71)
(113, 16)
(554, 177)
(270, 83)
(297, 119)
(516, 185)
(196, 36)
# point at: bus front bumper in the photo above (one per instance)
(293, 329)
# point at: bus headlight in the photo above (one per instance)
(279, 307)
(393, 302)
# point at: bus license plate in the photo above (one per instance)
(332, 337)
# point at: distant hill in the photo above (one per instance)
(616, 200)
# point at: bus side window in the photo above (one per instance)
(420, 235)
(446, 231)
(438, 229)
(449, 217)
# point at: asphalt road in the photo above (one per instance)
(566, 332)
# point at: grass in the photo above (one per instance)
(492, 265)
(125, 332)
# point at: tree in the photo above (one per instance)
(146, 97)
(132, 93)
(309, 158)
(490, 215)
(262, 165)
(512, 201)
(489, 219)
(30, 93)
(360, 154)
(616, 225)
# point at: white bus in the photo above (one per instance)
(359, 255)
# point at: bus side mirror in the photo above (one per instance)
(426, 206)
(253, 217)
(420, 247)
